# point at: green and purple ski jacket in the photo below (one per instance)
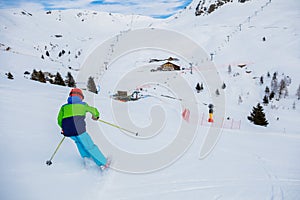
(71, 117)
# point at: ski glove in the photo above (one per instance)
(95, 118)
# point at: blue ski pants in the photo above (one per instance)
(87, 148)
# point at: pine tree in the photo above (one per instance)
(217, 92)
(223, 86)
(272, 95)
(70, 80)
(26, 73)
(91, 86)
(198, 88)
(34, 75)
(58, 80)
(274, 76)
(267, 90)
(10, 76)
(257, 116)
(41, 77)
(265, 100)
(261, 80)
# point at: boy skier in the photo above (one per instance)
(71, 118)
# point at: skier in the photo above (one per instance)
(71, 118)
(210, 113)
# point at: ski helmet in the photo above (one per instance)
(76, 92)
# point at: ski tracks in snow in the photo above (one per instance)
(161, 190)
(276, 189)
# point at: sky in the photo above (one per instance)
(156, 8)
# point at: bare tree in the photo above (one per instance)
(283, 89)
(298, 93)
(240, 99)
(229, 69)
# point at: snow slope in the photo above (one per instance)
(247, 163)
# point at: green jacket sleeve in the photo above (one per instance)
(92, 110)
(60, 117)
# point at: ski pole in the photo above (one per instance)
(116, 126)
(49, 162)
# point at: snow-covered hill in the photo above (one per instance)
(248, 161)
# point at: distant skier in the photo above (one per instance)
(71, 118)
(210, 113)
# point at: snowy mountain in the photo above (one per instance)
(239, 45)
